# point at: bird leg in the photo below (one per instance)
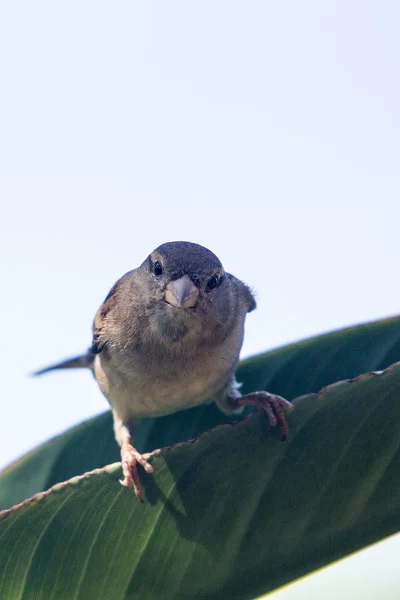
(230, 400)
(130, 457)
(274, 406)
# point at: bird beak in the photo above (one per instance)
(181, 292)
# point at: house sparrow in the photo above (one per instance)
(168, 337)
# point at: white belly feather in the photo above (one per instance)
(140, 393)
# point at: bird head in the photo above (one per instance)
(188, 291)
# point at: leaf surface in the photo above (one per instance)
(291, 371)
(234, 514)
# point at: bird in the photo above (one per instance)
(168, 337)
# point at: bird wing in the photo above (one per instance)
(244, 292)
(98, 341)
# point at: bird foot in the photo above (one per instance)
(130, 458)
(273, 405)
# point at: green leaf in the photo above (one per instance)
(234, 514)
(290, 371)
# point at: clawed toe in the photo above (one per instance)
(274, 406)
(130, 458)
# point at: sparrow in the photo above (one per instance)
(168, 337)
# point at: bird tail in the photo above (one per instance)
(85, 361)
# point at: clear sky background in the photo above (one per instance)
(267, 131)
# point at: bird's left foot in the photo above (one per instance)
(274, 406)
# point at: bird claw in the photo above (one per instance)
(130, 458)
(273, 405)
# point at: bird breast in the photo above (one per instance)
(137, 388)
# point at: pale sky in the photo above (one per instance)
(266, 131)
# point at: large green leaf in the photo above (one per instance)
(290, 371)
(231, 515)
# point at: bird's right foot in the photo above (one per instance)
(130, 459)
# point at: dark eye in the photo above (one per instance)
(213, 283)
(157, 268)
